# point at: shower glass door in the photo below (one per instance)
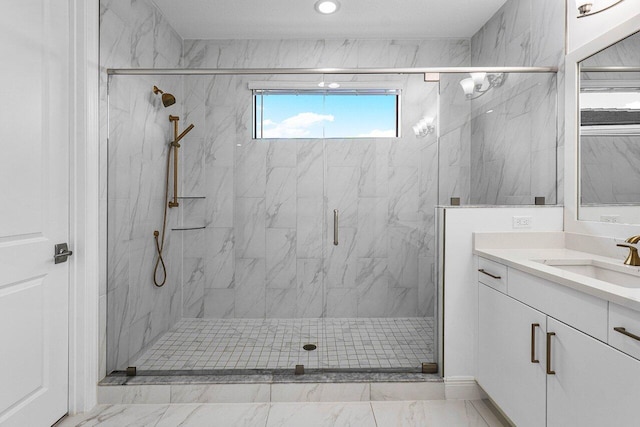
(380, 192)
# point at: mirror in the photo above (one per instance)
(609, 134)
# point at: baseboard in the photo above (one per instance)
(463, 388)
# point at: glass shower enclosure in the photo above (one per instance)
(294, 245)
(305, 250)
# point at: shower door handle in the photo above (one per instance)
(335, 227)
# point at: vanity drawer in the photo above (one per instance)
(492, 274)
(629, 321)
(584, 312)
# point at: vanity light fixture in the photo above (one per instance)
(327, 7)
(332, 85)
(585, 9)
(424, 127)
(480, 83)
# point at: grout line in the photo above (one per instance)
(373, 413)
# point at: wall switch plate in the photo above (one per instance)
(609, 218)
(522, 221)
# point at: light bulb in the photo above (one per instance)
(478, 79)
(468, 86)
(327, 7)
(584, 6)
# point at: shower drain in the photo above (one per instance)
(309, 347)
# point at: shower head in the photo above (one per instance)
(167, 98)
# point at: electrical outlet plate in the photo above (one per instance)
(609, 218)
(522, 221)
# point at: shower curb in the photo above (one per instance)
(273, 392)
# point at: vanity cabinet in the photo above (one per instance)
(505, 368)
(586, 382)
(593, 385)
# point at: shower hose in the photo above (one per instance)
(156, 233)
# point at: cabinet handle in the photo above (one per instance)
(549, 371)
(489, 274)
(623, 331)
(533, 342)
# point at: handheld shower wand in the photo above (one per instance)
(173, 147)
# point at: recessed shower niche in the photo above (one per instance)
(295, 238)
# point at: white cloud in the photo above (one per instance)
(294, 127)
(377, 133)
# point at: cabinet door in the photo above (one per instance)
(505, 369)
(593, 385)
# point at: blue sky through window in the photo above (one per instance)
(326, 116)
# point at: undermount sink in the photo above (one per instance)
(620, 275)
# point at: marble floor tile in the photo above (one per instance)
(119, 416)
(358, 414)
(489, 413)
(214, 415)
(450, 413)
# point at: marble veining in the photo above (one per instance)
(435, 413)
(501, 149)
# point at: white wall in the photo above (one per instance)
(582, 31)
(461, 277)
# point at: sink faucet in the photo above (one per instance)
(633, 258)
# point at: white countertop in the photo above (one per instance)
(523, 260)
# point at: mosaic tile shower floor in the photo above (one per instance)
(350, 343)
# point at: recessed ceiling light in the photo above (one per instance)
(327, 7)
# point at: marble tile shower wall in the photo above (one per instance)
(455, 141)
(513, 154)
(267, 249)
(133, 312)
(344, 53)
(521, 33)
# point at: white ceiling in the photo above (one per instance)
(297, 19)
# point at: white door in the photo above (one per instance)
(34, 211)
(594, 384)
(507, 367)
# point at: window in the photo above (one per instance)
(326, 113)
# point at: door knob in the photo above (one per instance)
(61, 253)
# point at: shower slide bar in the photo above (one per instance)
(246, 71)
